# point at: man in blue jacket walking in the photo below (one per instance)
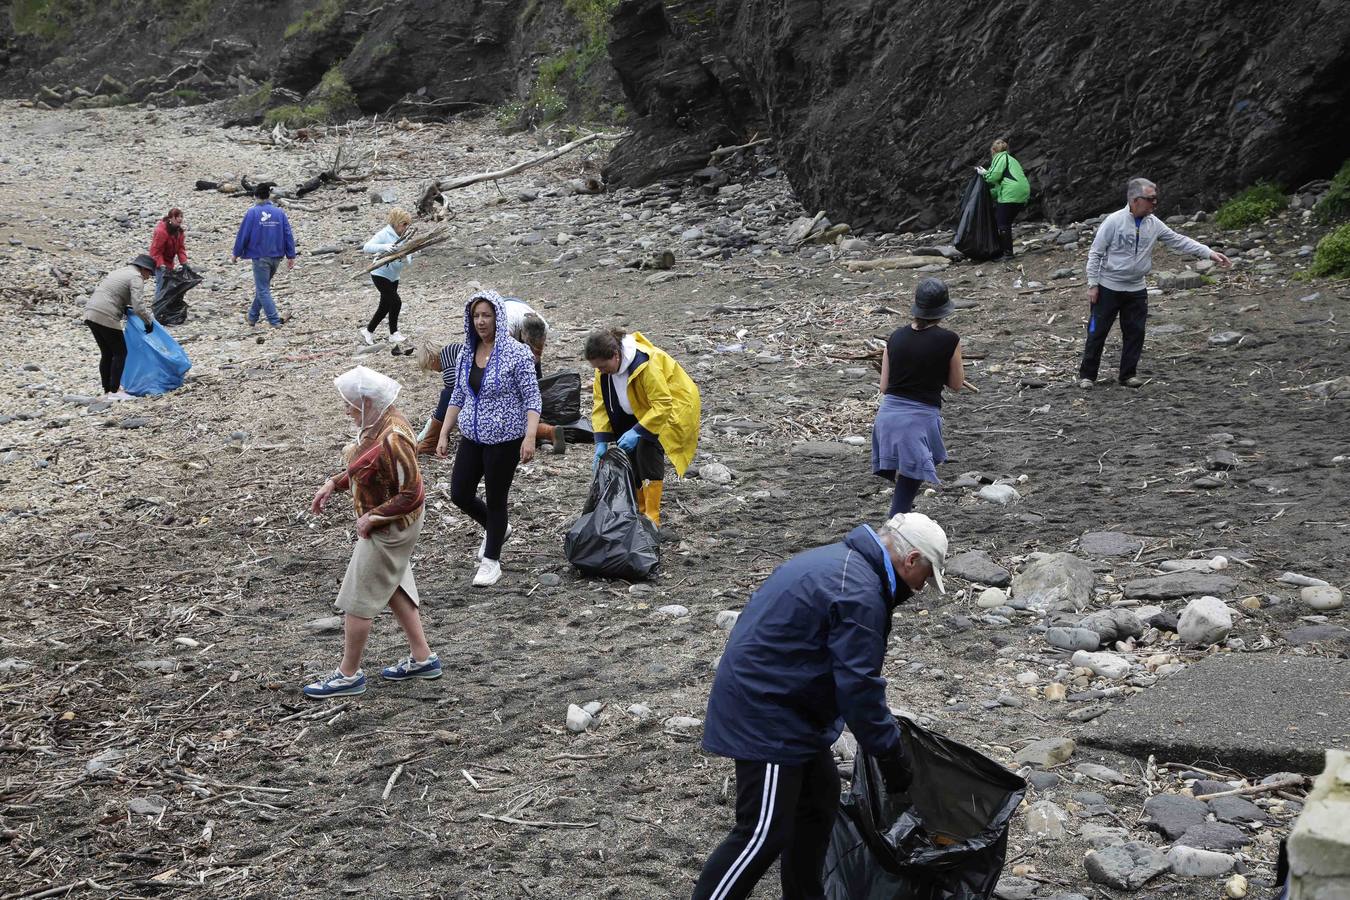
(264, 237)
(804, 659)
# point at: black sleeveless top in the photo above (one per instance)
(919, 361)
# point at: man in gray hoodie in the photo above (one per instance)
(1120, 258)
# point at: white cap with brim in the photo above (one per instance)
(923, 534)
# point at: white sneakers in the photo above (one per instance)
(366, 336)
(119, 395)
(482, 548)
(1085, 383)
(397, 337)
(489, 572)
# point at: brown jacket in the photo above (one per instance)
(383, 472)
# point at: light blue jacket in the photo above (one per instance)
(1122, 250)
(384, 241)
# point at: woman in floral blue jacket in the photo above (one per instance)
(496, 405)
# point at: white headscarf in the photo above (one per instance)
(361, 384)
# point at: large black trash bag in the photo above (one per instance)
(944, 838)
(611, 538)
(977, 232)
(561, 394)
(170, 307)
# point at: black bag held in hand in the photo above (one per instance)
(170, 307)
(943, 838)
(561, 394)
(977, 232)
(611, 538)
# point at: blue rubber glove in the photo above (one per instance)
(629, 440)
(600, 448)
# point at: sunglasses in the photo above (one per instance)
(1153, 199)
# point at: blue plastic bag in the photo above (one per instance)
(155, 363)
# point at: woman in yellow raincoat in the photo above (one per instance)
(648, 403)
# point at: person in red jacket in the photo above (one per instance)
(169, 242)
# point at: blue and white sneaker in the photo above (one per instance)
(411, 668)
(335, 684)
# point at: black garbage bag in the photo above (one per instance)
(561, 393)
(611, 538)
(170, 307)
(977, 231)
(943, 838)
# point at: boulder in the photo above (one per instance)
(1055, 581)
(1172, 814)
(1205, 621)
(1179, 584)
(1046, 752)
(979, 567)
(1112, 625)
(1107, 665)
(1126, 866)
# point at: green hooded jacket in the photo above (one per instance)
(1006, 181)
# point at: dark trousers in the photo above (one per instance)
(112, 355)
(1004, 214)
(495, 466)
(906, 489)
(1132, 307)
(784, 813)
(390, 304)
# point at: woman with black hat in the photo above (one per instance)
(107, 307)
(919, 360)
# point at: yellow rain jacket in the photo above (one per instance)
(665, 401)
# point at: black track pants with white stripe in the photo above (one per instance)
(784, 813)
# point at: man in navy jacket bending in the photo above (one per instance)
(804, 659)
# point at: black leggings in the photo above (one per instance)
(906, 489)
(783, 813)
(1004, 214)
(495, 466)
(112, 349)
(390, 304)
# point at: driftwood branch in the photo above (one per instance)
(406, 248)
(1257, 788)
(727, 151)
(439, 186)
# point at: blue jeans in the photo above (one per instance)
(263, 270)
(159, 280)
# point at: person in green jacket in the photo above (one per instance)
(1010, 189)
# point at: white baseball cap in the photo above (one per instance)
(924, 535)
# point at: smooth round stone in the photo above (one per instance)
(1322, 597)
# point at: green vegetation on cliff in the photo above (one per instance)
(563, 79)
(1335, 205)
(1260, 201)
(1333, 254)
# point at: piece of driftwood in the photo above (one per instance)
(895, 262)
(408, 246)
(434, 189)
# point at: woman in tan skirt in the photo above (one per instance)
(387, 488)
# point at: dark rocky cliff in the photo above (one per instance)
(429, 56)
(878, 108)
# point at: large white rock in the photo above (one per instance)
(578, 720)
(1002, 494)
(673, 611)
(1192, 862)
(1107, 665)
(1205, 621)
(991, 598)
(1046, 820)
(715, 473)
(1321, 597)
(726, 619)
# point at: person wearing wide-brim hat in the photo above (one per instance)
(122, 289)
(919, 360)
